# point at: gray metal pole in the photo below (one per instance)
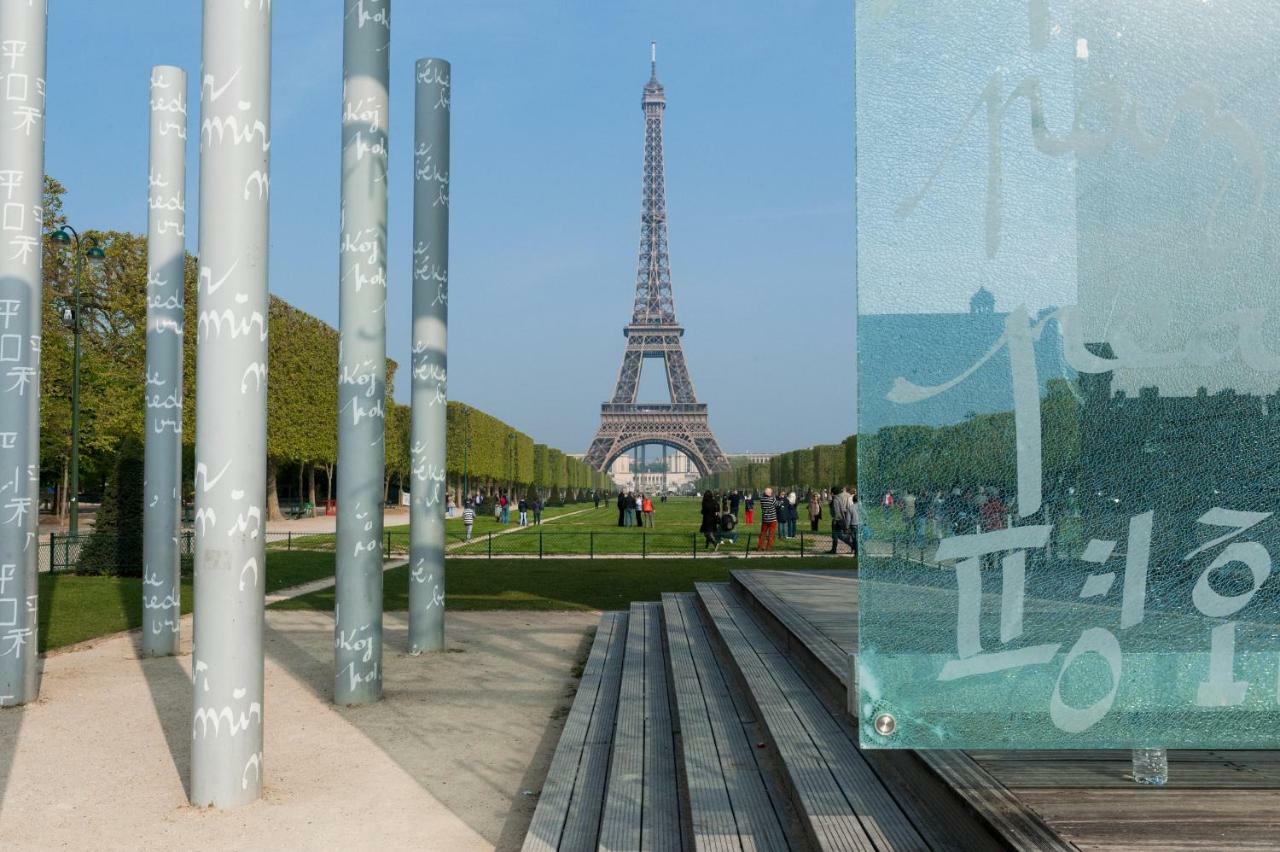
(231, 404)
(166, 244)
(22, 62)
(362, 353)
(430, 329)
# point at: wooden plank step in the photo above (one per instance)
(730, 806)
(568, 778)
(841, 799)
(1017, 823)
(660, 826)
(582, 826)
(802, 626)
(641, 805)
(1012, 819)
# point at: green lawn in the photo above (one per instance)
(582, 529)
(74, 608)
(554, 584)
(399, 533)
(596, 531)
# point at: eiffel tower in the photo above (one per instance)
(654, 333)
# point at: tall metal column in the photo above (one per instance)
(22, 63)
(231, 403)
(166, 244)
(362, 353)
(430, 329)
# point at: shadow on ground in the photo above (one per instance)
(475, 726)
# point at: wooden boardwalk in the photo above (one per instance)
(1214, 800)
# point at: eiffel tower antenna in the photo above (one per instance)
(653, 332)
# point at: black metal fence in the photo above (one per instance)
(64, 553)
(94, 552)
(535, 542)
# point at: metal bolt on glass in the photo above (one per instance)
(886, 724)
(1150, 766)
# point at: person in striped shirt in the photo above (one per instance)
(469, 518)
(768, 520)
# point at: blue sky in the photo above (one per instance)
(544, 188)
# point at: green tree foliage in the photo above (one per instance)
(810, 467)
(115, 545)
(301, 382)
(302, 369)
(828, 459)
(979, 452)
(540, 467)
(396, 442)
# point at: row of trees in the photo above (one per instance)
(487, 455)
(302, 396)
(980, 451)
(820, 466)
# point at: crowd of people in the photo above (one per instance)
(780, 514)
(528, 509)
(932, 515)
(635, 509)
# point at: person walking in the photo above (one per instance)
(632, 520)
(506, 508)
(734, 500)
(838, 520)
(524, 511)
(768, 520)
(469, 519)
(595, 495)
(856, 523)
(793, 514)
(710, 528)
(537, 509)
(844, 520)
(646, 510)
(750, 504)
(622, 509)
(815, 511)
(497, 510)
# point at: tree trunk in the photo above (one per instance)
(311, 484)
(328, 485)
(273, 497)
(298, 493)
(386, 488)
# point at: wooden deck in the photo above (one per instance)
(1214, 800)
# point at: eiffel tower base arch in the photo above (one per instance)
(682, 427)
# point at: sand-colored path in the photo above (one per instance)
(101, 760)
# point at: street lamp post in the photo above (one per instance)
(67, 235)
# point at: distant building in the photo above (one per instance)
(627, 472)
(752, 458)
(930, 349)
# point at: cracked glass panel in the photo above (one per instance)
(1068, 373)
